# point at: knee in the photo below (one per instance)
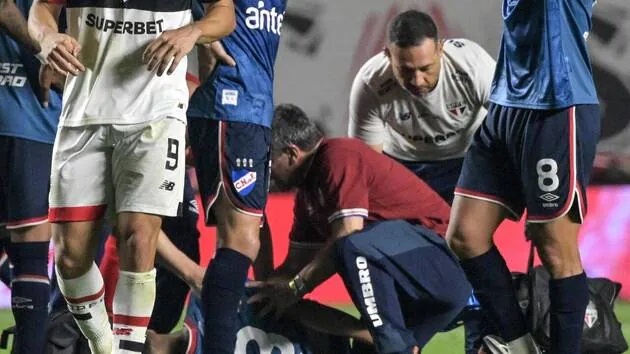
(71, 264)
(241, 237)
(559, 252)
(137, 234)
(249, 239)
(467, 240)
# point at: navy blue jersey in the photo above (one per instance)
(255, 336)
(244, 93)
(21, 114)
(543, 61)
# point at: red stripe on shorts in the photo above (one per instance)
(83, 213)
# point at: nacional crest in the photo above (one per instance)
(243, 181)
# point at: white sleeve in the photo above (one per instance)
(483, 69)
(365, 121)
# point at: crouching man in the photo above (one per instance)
(376, 224)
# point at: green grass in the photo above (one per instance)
(444, 343)
(453, 341)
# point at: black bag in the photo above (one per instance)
(64, 336)
(602, 331)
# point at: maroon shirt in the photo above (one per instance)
(348, 178)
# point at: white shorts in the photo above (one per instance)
(130, 168)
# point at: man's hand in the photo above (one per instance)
(48, 78)
(169, 48)
(220, 54)
(60, 52)
(274, 295)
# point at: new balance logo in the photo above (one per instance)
(167, 185)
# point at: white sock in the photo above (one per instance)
(523, 345)
(84, 296)
(133, 305)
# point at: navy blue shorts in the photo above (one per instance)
(234, 156)
(539, 160)
(441, 176)
(24, 181)
(404, 280)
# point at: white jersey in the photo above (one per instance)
(437, 126)
(116, 87)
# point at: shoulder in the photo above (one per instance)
(336, 155)
(375, 75)
(340, 147)
(464, 53)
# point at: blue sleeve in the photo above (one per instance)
(198, 10)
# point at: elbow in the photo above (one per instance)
(221, 29)
(230, 26)
(230, 21)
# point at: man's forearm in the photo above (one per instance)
(14, 23)
(178, 262)
(43, 19)
(320, 268)
(219, 21)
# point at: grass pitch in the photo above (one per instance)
(444, 343)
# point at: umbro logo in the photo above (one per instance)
(22, 303)
(167, 185)
(549, 197)
(456, 108)
(20, 300)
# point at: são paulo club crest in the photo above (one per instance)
(456, 109)
(590, 316)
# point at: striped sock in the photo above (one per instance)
(84, 296)
(133, 305)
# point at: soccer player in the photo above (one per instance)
(534, 151)
(27, 133)
(379, 227)
(119, 146)
(229, 121)
(421, 100)
(256, 334)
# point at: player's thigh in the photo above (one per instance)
(488, 189)
(557, 160)
(148, 168)
(245, 166)
(232, 166)
(25, 179)
(417, 259)
(80, 187)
